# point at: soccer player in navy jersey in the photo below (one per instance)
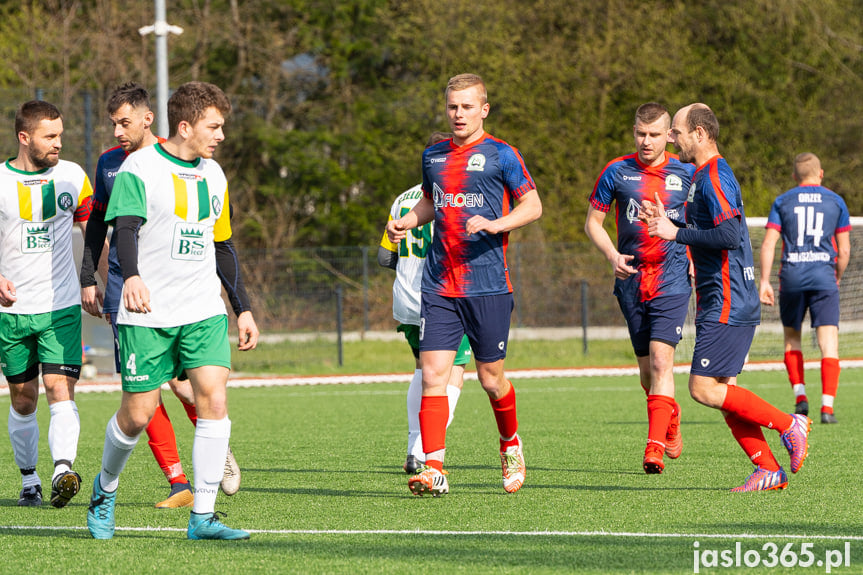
(129, 109)
(476, 189)
(728, 307)
(814, 225)
(652, 282)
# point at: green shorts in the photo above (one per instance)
(49, 338)
(151, 356)
(412, 334)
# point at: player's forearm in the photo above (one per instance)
(94, 240)
(725, 236)
(386, 258)
(600, 238)
(528, 209)
(126, 228)
(228, 269)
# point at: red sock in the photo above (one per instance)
(434, 413)
(750, 407)
(794, 367)
(163, 443)
(504, 414)
(191, 413)
(751, 439)
(660, 408)
(829, 379)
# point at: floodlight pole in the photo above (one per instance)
(161, 29)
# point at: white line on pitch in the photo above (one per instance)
(623, 534)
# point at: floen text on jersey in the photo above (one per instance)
(482, 178)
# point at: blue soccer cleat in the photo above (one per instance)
(100, 514)
(208, 526)
(763, 480)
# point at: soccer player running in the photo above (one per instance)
(40, 317)
(814, 225)
(728, 308)
(652, 281)
(407, 258)
(469, 185)
(130, 113)
(171, 214)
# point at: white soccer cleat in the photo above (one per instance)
(512, 465)
(231, 479)
(429, 480)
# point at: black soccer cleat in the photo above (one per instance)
(30, 496)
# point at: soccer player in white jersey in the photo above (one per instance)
(40, 317)
(129, 110)
(407, 258)
(171, 214)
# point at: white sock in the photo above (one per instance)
(798, 389)
(63, 433)
(414, 401)
(208, 461)
(24, 435)
(827, 401)
(452, 394)
(115, 454)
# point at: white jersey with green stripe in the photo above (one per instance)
(185, 209)
(412, 258)
(37, 212)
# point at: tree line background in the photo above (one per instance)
(334, 99)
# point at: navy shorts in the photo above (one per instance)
(484, 319)
(720, 349)
(823, 306)
(116, 342)
(659, 319)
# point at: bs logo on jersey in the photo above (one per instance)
(189, 243)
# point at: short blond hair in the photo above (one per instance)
(465, 81)
(806, 166)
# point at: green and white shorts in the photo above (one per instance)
(151, 356)
(52, 339)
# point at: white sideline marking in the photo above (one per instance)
(109, 385)
(630, 534)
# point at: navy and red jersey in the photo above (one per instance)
(663, 266)
(106, 170)
(482, 178)
(724, 279)
(808, 219)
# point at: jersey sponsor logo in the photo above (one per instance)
(803, 257)
(633, 208)
(192, 177)
(476, 163)
(672, 214)
(437, 160)
(443, 200)
(37, 237)
(749, 273)
(631, 178)
(188, 243)
(64, 201)
(691, 195)
(36, 182)
(673, 183)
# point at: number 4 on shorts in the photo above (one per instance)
(130, 365)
